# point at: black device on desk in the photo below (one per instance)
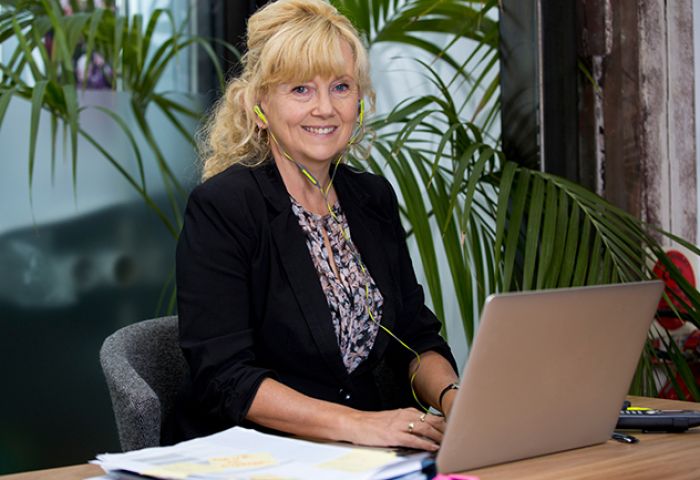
(651, 420)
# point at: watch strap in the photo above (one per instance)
(451, 386)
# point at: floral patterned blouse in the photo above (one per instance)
(345, 293)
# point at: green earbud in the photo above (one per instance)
(258, 111)
(362, 111)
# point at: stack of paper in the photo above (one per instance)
(242, 454)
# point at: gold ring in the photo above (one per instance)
(411, 426)
(422, 417)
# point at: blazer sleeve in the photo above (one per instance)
(212, 274)
(416, 324)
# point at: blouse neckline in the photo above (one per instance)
(316, 216)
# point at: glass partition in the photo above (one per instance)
(78, 263)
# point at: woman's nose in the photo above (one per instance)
(324, 104)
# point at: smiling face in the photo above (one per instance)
(313, 120)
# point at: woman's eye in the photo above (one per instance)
(341, 88)
(301, 89)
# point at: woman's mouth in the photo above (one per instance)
(320, 130)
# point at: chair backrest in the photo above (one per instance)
(144, 369)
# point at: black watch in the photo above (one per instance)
(451, 386)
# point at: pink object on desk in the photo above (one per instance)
(442, 476)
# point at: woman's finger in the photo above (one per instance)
(419, 442)
(436, 422)
(423, 425)
(429, 431)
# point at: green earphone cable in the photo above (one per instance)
(346, 236)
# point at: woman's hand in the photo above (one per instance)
(406, 427)
(279, 407)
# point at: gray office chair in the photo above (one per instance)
(144, 369)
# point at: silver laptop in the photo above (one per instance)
(548, 371)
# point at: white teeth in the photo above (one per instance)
(320, 131)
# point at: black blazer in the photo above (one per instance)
(251, 305)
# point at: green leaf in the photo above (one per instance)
(132, 140)
(5, 98)
(532, 235)
(120, 27)
(472, 183)
(452, 243)
(506, 183)
(606, 269)
(582, 256)
(50, 69)
(173, 187)
(514, 227)
(405, 109)
(165, 108)
(151, 27)
(72, 26)
(71, 99)
(549, 236)
(176, 106)
(570, 249)
(37, 103)
(54, 135)
(445, 140)
(61, 49)
(463, 163)
(594, 264)
(146, 198)
(490, 91)
(95, 21)
(213, 57)
(24, 45)
(684, 371)
(418, 217)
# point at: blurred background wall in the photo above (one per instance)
(75, 265)
(696, 48)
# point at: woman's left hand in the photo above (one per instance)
(405, 427)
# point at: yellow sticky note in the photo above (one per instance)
(244, 460)
(359, 460)
(181, 470)
(217, 464)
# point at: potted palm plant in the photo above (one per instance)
(501, 226)
(53, 55)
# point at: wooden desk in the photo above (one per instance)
(75, 472)
(673, 456)
(656, 456)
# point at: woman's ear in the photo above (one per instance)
(259, 111)
(261, 119)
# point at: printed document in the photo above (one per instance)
(243, 454)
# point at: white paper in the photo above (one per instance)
(243, 454)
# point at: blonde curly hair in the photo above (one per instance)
(288, 41)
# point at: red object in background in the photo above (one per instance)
(669, 393)
(691, 344)
(666, 316)
(691, 347)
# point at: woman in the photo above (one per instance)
(293, 274)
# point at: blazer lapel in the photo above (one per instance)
(366, 232)
(297, 263)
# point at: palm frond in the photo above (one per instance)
(504, 227)
(127, 45)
